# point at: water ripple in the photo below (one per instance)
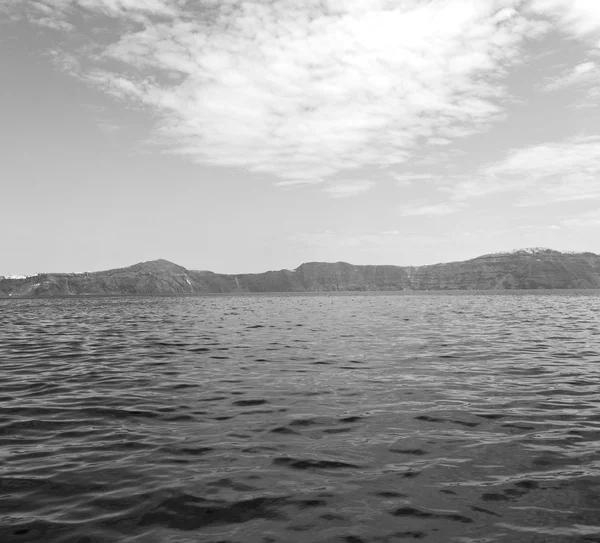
(356, 418)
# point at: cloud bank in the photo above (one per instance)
(300, 91)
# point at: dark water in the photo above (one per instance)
(460, 418)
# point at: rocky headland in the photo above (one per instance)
(521, 269)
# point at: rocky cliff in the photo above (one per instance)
(521, 269)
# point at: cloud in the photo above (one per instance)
(405, 179)
(581, 18)
(448, 157)
(439, 141)
(584, 220)
(429, 209)
(582, 74)
(539, 174)
(351, 188)
(301, 91)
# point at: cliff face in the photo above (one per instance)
(156, 277)
(524, 269)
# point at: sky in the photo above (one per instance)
(243, 136)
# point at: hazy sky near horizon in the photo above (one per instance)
(245, 136)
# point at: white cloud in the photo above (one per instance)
(301, 91)
(347, 189)
(584, 73)
(429, 209)
(440, 157)
(405, 179)
(581, 18)
(438, 141)
(539, 174)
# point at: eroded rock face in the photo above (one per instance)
(523, 269)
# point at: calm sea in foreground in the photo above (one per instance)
(357, 418)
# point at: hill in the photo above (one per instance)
(520, 269)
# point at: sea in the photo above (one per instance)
(469, 417)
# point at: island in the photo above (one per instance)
(536, 268)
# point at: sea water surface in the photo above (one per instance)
(262, 419)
